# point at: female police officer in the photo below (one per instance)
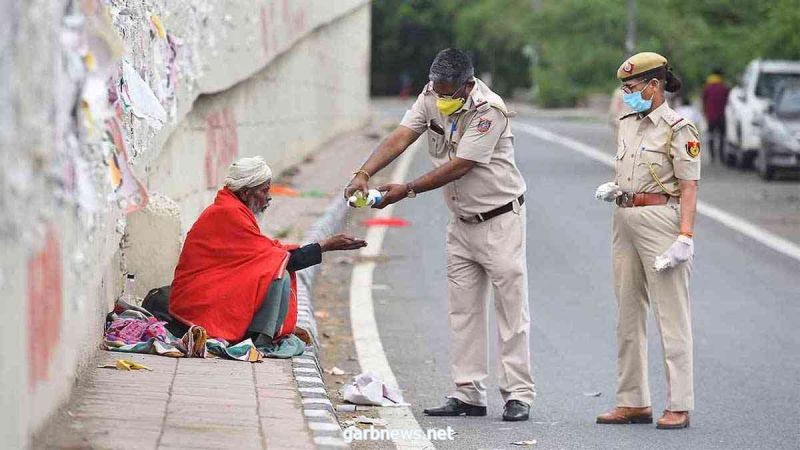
(655, 189)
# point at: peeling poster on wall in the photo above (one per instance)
(138, 97)
(129, 192)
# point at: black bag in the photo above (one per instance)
(157, 302)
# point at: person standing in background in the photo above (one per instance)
(685, 109)
(715, 96)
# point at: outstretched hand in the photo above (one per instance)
(341, 242)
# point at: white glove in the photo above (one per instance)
(608, 191)
(679, 252)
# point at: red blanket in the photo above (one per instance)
(225, 269)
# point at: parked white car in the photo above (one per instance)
(747, 103)
(780, 133)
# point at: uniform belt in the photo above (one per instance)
(493, 213)
(631, 199)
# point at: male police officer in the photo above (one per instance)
(471, 146)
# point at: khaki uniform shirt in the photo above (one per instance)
(662, 141)
(480, 131)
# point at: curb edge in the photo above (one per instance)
(317, 406)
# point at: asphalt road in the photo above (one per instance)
(746, 311)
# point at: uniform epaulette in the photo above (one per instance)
(675, 121)
(630, 114)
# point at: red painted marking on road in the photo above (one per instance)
(385, 222)
(281, 190)
(222, 145)
(44, 309)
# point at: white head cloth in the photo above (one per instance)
(247, 173)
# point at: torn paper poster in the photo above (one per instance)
(158, 27)
(129, 192)
(84, 187)
(138, 97)
(169, 85)
(368, 389)
(103, 50)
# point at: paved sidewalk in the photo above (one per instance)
(215, 403)
(182, 403)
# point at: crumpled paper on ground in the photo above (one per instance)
(368, 389)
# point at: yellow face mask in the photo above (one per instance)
(449, 105)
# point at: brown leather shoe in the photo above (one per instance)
(673, 420)
(623, 415)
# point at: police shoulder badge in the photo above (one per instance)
(484, 124)
(693, 148)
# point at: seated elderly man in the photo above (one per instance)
(231, 279)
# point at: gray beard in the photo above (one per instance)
(259, 213)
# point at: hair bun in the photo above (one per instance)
(673, 83)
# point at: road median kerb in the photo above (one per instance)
(306, 368)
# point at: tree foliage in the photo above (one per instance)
(566, 49)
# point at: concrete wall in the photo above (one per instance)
(219, 80)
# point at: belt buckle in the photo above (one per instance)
(625, 200)
(473, 219)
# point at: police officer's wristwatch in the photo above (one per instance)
(410, 191)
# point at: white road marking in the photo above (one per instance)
(723, 217)
(366, 336)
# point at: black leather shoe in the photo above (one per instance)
(516, 411)
(455, 407)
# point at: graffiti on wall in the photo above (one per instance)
(222, 145)
(292, 21)
(44, 309)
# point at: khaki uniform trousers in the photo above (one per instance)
(639, 235)
(481, 255)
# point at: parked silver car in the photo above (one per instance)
(780, 133)
(747, 104)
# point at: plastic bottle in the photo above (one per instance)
(372, 199)
(127, 291)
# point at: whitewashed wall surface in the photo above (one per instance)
(117, 121)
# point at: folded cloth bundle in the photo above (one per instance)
(131, 331)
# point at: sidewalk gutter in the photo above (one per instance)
(317, 406)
